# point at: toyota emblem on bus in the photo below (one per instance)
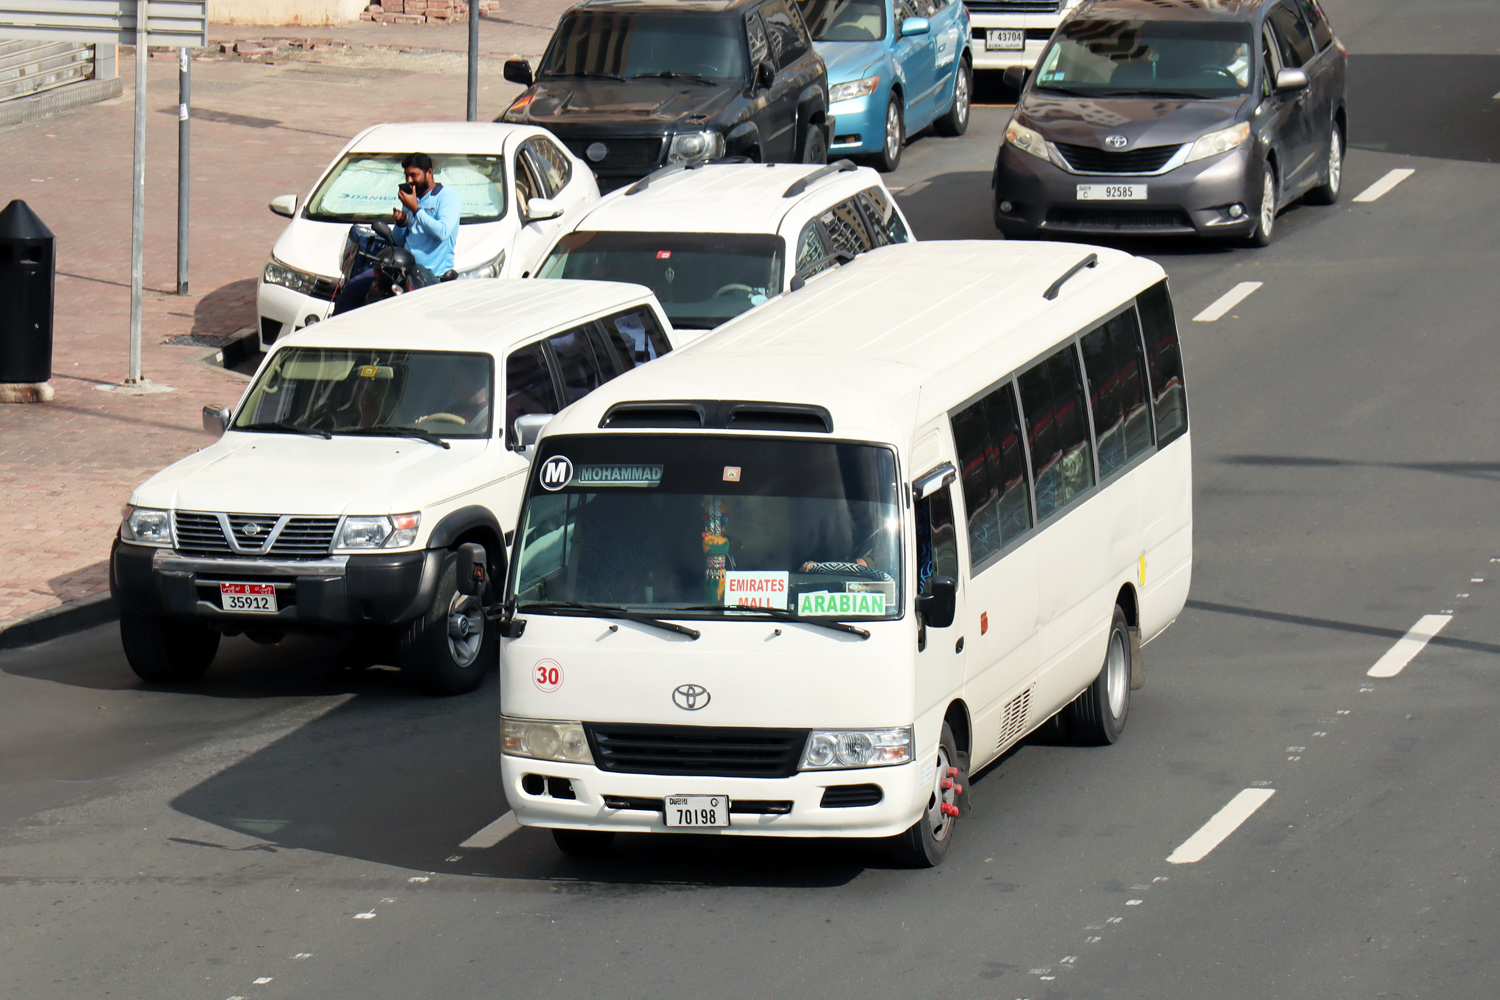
(691, 697)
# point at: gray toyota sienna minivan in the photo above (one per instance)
(1175, 117)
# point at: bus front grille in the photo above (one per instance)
(698, 750)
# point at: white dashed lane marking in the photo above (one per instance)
(1408, 646)
(1227, 301)
(1384, 185)
(494, 833)
(1223, 823)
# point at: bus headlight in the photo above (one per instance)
(828, 749)
(562, 741)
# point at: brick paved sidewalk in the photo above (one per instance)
(66, 467)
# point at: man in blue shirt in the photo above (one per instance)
(426, 224)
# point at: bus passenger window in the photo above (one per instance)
(997, 498)
(1117, 391)
(1164, 362)
(1061, 457)
(937, 543)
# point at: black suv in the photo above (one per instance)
(633, 85)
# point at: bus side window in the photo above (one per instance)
(1117, 391)
(1163, 363)
(1058, 430)
(992, 468)
(937, 542)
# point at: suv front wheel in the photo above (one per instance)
(167, 651)
(448, 649)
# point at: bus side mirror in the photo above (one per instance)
(472, 570)
(937, 606)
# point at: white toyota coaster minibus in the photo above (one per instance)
(803, 576)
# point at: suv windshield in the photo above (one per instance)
(616, 44)
(701, 279)
(844, 20)
(1150, 58)
(679, 525)
(362, 186)
(343, 391)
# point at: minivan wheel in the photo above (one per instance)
(815, 145)
(1265, 223)
(889, 157)
(956, 121)
(1327, 193)
(448, 649)
(166, 651)
(1097, 716)
(926, 842)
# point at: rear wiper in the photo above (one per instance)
(415, 432)
(588, 76)
(607, 611)
(670, 75)
(781, 614)
(277, 427)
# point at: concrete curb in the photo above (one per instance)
(65, 619)
(74, 95)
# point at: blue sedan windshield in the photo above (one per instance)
(844, 20)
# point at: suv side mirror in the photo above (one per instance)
(765, 75)
(915, 26)
(1015, 77)
(519, 71)
(216, 419)
(937, 607)
(541, 209)
(528, 427)
(1291, 79)
(285, 206)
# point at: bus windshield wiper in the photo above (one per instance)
(606, 611)
(278, 427)
(415, 432)
(671, 75)
(781, 614)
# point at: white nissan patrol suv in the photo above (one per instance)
(367, 449)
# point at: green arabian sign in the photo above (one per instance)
(851, 605)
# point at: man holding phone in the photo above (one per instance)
(426, 224)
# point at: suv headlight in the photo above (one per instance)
(489, 269)
(828, 749)
(392, 532)
(853, 88)
(277, 273)
(146, 526)
(1221, 141)
(564, 741)
(695, 146)
(1027, 140)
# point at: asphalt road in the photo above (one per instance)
(291, 828)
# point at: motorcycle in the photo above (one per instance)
(373, 247)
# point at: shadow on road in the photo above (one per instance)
(1438, 106)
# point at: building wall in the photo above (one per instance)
(285, 11)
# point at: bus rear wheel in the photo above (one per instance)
(1096, 718)
(926, 843)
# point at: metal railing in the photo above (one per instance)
(30, 67)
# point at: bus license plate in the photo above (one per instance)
(1002, 39)
(697, 810)
(248, 598)
(1111, 192)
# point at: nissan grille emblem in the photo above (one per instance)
(1117, 142)
(596, 151)
(691, 697)
(253, 530)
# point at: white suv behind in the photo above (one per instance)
(366, 450)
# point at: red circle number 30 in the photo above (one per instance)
(547, 675)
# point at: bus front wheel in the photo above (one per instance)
(926, 843)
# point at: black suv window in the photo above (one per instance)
(788, 37)
(610, 43)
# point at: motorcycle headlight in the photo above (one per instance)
(562, 741)
(146, 526)
(489, 269)
(695, 146)
(394, 532)
(1221, 141)
(829, 749)
(853, 88)
(1027, 140)
(277, 273)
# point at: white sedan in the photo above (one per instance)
(520, 188)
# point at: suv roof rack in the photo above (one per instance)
(718, 414)
(678, 168)
(1092, 260)
(836, 167)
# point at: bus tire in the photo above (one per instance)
(583, 843)
(926, 843)
(166, 651)
(1097, 717)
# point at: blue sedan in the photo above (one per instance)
(894, 67)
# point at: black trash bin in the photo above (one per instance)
(28, 272)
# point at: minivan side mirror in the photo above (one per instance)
(541, 209)
(528, 427)
(1014, 77)
(937, 606)
(285, 206)
(216, 419)
(765, 75)
(1291, 79)
(915, 26)
(519, 71)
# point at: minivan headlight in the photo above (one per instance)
(489, 269)
(541, 740)
(853, 88)
(1027, 140)
(1218, 142)
(146, 526)
(392, 532)
(695, 146)
(828, 749)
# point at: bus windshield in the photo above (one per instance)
(691, 525)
